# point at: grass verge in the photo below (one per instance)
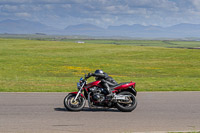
(54, 66)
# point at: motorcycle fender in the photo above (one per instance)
(76, 93)
(133, 90)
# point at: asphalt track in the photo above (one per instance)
(45, 113)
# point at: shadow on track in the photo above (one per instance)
(86, 109)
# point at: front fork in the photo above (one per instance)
(77, 95)
(79, 92)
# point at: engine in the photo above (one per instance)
(97, 94)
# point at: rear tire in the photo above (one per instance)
(127, 107)
(74, 105)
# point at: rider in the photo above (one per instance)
(106, 81)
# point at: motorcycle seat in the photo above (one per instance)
(117, 85)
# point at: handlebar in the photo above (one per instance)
(87, 76)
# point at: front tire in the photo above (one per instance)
(72, 105)
(127, 107)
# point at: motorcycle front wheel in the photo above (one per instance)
(72, 105)
(127, 107)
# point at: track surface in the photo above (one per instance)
(45, 113)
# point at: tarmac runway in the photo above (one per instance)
(45, 113)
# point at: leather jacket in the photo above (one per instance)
(104, 77)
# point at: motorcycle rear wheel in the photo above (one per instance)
(72, 105)
(127, 107)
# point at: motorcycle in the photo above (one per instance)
(124, 98)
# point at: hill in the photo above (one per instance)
(84, 29)
(135, 31)
(24, 27)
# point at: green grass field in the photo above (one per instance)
(151, 43)
(56, 66)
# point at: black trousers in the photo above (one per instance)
(106, 85)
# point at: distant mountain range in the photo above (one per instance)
(29, 27)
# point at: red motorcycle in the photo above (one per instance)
(124, 98)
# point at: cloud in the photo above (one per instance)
(102, 12)
(23, 14)
(196, 4)
(8, 9)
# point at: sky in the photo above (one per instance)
(103, 13)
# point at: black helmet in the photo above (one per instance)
(98, 71)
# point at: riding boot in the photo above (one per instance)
(110, 95)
